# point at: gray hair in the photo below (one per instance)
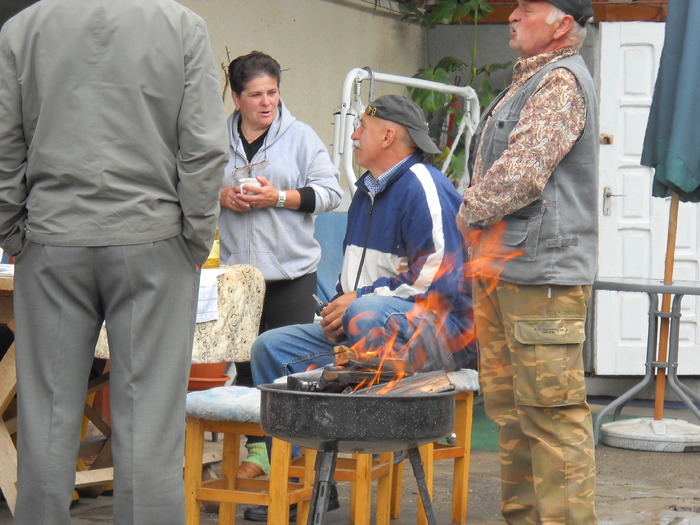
(577, 33)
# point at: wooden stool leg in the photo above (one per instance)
(426, 455)
(304, 507)
(396, 487)
(194, 448)
(278, 508)
(384, 487)
(361, 490)
(464, 413)
(229, 466)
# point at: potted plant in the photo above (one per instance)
(207, 375)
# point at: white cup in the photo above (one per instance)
(248, 182)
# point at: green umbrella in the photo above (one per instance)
(671, 144)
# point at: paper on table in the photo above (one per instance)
(207, 302)
(7, 269)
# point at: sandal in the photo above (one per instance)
(249, 470)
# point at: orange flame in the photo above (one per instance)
(486, 264)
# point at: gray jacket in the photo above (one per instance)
(558, 233)
(112, 129)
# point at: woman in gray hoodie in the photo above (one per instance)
(269, 221)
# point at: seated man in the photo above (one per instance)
(402, 281)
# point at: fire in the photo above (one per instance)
(492, 257)
(430, 344)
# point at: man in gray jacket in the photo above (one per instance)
(112, 151)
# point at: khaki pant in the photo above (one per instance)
(531, 372)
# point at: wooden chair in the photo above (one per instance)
(459, 452)
(360, 470)
(91, 481)
(276, 492)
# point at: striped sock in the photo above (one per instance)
(257, 454)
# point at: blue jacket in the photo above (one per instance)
(404, 242)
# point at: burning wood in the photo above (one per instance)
(419, 383)
(346, 356)
(368, 374)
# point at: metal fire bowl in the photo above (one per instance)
(355, 423)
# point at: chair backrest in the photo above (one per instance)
(329, 231)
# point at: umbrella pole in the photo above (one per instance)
(666, 308)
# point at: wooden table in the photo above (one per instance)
(8, 389)
(240, 296)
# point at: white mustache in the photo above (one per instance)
(356, 144)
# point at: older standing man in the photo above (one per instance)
(112, 151)
(531, 211)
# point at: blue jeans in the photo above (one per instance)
(376, 319)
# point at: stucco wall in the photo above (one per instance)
(316, 42)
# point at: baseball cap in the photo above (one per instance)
(405, 112)
(580, 10)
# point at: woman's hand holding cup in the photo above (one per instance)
(257, 193)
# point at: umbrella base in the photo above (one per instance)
(663, 435)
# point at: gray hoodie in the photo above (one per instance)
(279, 241)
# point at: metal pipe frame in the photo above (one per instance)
(652, 365)
(343, 120)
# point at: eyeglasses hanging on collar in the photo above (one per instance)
(249, 168)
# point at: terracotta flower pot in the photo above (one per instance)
(207, 375)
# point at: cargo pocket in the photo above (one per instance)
(550, 364)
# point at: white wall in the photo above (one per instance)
(316, 42)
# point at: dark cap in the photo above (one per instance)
(580, 10)
(405, 112)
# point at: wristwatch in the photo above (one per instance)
(281, 199)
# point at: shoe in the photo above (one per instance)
(249, 470)
(259, 512)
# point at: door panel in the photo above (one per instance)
(633, 224)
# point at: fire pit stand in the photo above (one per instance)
(356, 423)
(325, 468)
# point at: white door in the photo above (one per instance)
(633, 224)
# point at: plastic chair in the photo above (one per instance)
(329, 231)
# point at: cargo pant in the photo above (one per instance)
(531, 372)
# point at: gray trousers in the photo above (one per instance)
(147, 296)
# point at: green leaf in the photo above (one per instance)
(428, 100)
(478, 9)
(452, 64)
(436, 74)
